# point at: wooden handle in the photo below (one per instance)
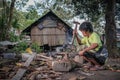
(74, 34)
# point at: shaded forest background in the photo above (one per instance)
(102, 13)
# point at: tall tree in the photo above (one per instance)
(110, 29)
(6, 18)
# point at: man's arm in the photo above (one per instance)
(93, 46)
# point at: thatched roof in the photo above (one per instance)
(50, 13)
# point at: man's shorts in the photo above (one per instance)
(101, 60)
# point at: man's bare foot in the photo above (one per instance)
(96, 67)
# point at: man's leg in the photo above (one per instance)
(89, 64)
(91, 58)
(97, 66)
(94, 61)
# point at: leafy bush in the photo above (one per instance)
(36, 47)
(20, 47)
(13, 37)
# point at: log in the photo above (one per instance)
(78, 59)
(63, 65)
(21, 71)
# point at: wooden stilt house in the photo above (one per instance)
(49, 29)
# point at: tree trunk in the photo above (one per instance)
(110, 29)
(6, 19)
(3, 22)
(11, 13)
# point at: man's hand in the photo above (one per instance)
(75, 32)
(81, 52)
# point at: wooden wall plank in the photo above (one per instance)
(48, 35)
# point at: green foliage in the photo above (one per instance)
(13, 37)
(31, 11)
(62, 8)
(36, 47)
(15, 24)
(20, 47)
(21, 20)
(92, 8)
(21, 3)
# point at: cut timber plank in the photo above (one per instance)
(49, 58)
(21, 71)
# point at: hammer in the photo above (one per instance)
(73, 38)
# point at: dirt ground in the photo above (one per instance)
(107, 74)
(97, 75)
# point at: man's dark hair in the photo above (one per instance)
(86, 26)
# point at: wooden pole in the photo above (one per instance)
(76, 25)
